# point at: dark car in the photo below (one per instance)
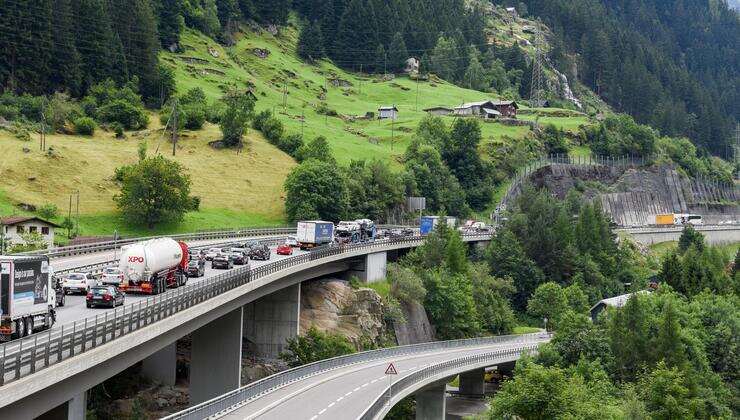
(240, 257)
(222, 261)
(104, 296)
(197, 267)
(260, 252)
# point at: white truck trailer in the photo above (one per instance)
(27, 296)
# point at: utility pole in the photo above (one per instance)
(174, 126)
(303, 118)
(736, 149)
(418, 75)
(537, 86)
(42, 133)
(78, 211)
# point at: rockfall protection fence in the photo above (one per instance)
(26, 356)
(524, 172)
(450, 366)
(238, 397)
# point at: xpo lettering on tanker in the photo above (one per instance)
(154, 265)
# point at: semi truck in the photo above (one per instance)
(361, 230)
(311, 234)
(27, 296)
(428, 223)
(152, 266)
(678, 219)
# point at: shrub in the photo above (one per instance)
(118, 129)
(60, 109)
(324, 109)
(314, 346)
(85, 126)
(239, 108)
(129, 115)
(272, 129)
(291, 143)
(48, 211)
(260, 119)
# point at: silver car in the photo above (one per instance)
(78, 283)
(112, 276)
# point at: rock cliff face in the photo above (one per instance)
(333, 306)
(633, 196)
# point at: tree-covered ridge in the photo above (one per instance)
(670, 63)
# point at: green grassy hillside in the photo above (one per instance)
(246, 189)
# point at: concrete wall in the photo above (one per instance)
(712, 236)
(271, 320)
(370, 268)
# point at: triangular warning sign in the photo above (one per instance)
(391, 370)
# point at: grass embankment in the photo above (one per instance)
(235, 190)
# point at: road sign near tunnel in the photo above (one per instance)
(391, 370)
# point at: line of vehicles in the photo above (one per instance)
(30, 292)
(678, 219)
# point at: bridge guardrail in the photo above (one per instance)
(455, 364)
(232, 400)
(23, 357)
(108, 245)
(97, 268)
(201, 235)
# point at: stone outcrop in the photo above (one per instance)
(333, 306)
(415, 328)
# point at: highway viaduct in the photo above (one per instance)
(49, 375)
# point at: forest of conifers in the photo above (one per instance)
(669, 63)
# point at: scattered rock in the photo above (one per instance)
(261, 52)
(214, 53)
(272, 29)
(26, 150)
(31, 178)
(193, 60)
(337, 82)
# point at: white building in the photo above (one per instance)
(387, 112)
(13, 227)
(612, 302)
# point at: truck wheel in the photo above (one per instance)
(48, 321)
(29, 325)
(20, 328)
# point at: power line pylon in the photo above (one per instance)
(537, 88)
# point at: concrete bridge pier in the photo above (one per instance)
(371, 268)
(473, 382)
(431, 401)
(161, 366)
(271, 320)
(74, 409)
(215, 359)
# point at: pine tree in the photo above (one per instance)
(311, 42)
(381, 59)
(136, 27)
(101, 54)
(669, 343)
(441, 57)
(66, 72)
(475, 76)
(355, 33)
(397, 54)
(274, 11)
(170, 22)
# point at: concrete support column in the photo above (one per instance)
(162, 365)
(372, 268)
(74, 409)
(430, 402)
(215, 360)
(473, 382)
(271, 320)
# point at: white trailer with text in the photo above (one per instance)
(27, 296)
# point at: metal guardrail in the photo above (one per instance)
(455, 365)
(97, 268)
(23, 357)
(108, 245)
(232, 400)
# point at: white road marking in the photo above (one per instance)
(340, 399)
(348, 394)
(331, 405)
(314, 417)
(365, 384)
(373, 381)
(356, 389)
(322, 411)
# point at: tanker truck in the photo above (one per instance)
(154, 265)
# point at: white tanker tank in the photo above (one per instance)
(151, 266)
